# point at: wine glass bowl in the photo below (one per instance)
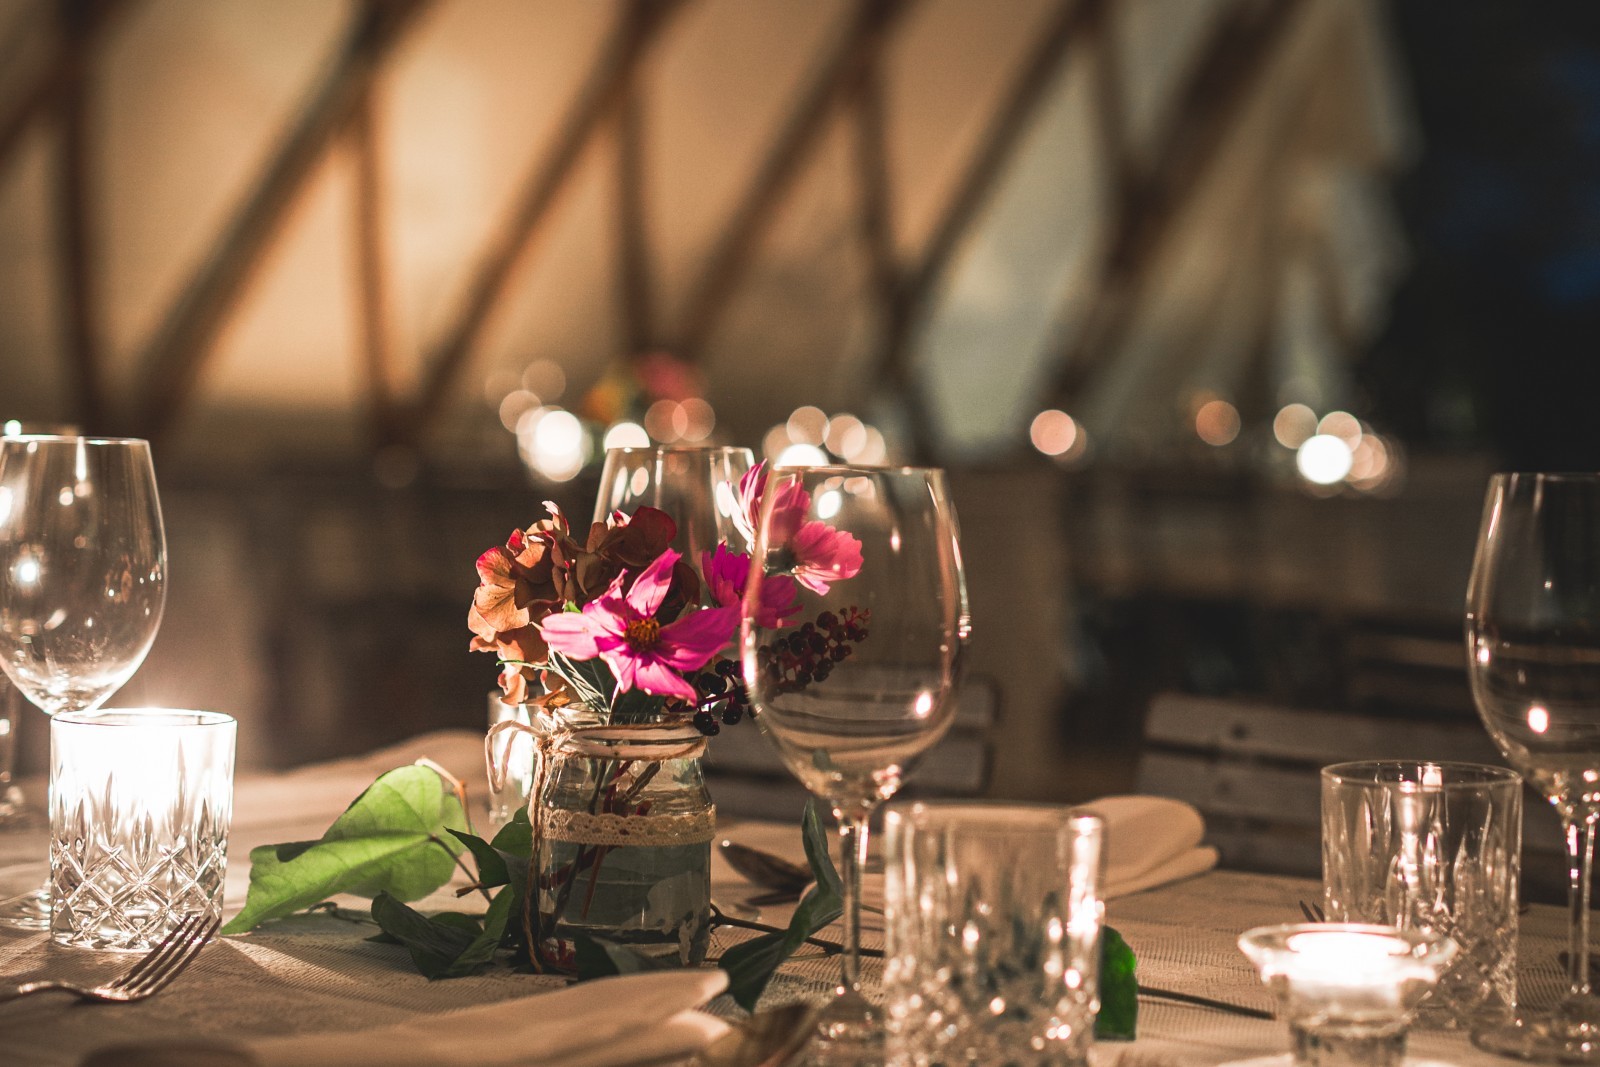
(854, 680)
(82, 567)
(697, 486)
(1533, 646)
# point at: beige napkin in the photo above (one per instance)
(611, 1022)
(1150, 841)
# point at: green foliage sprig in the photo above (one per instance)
(403, 839)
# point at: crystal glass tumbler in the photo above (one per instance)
(993, 934)
(140, 801)
(1433, 847)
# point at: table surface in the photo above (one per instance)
(319, 974)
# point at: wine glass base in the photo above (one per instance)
(28, 911)
(1570, 1034)
(849, 1034)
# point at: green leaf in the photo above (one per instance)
(818, 854)
(599, 958)
(750, 965)
(391, 839)
(516, 836)
(491, 864)
(481, 951)
(1119, 990)
(434, 943)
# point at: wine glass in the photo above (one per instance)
(697, 486)
(859, 684)
(83, 563)
(1533, 638)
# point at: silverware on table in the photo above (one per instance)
(1204, 1002)
(765, 869)
(1313, 912)
(153, 972)
(767, 1039)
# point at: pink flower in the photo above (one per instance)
(624, 631)
(823, 555)
(726, 575)
(787, 510)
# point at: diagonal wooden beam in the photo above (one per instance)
(1072, 20)
(605, 87)
(74, 222)
(371, 268)
(1217, 91)
(866, 36)
(71, 51)
(633, 236)
(171, 366)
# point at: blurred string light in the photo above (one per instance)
(809, 436)
(1324, 459)
(1339, 448)
(553, 443)
(1058, 435)
(626, 435)
(1294, 425)
(1217, 422)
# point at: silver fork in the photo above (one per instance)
(154, 971)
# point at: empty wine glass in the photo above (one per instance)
(83, 564)
(1533, 637)
(696, 486)
(859, 683)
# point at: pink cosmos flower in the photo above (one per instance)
(823, 555)
(788, 510)
(624, 631)
(726, 575)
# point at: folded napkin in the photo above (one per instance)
(610, 1022)
(1150, 841)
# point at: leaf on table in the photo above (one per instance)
(1119, 990)
(492, 871)
(392, 839)
(599, 958)
(750, 964)
(481, 951)
(515, 837)
(435, 942)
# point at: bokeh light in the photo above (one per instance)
(846, 436)
(1294, 425)
(699, 418)
(666, 421)
(553, 443)
(807, 425)
(801, 455)
(626, 435)
(1217, 422)
(1053, 432)
(1343, 425)
(1324, 459)
(545, 379)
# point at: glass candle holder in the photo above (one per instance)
(140, 801)
(1348, 990)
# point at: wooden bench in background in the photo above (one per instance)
(1253, 771)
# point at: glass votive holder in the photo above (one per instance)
(1348, 990)
(993, 920)
(140, 801)
(1434, 847)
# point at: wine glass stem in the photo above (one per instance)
(1580, 871)
(853, 849)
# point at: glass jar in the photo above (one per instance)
(517, 753)
(622, 839)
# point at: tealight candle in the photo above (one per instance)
(1349, 991)
(140, 802)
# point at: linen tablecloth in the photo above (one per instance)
(318, 975)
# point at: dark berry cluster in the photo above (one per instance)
(720, 685)
(793, 661)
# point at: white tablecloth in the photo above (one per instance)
(319, 975)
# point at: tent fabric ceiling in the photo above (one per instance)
(190, 100)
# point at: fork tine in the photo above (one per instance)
(158, 978)
(165, 947)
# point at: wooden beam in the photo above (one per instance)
(1220, 86)
(633, 236)
(70, 54)
(371, 268)
(605, 87)
(1071, 20)
(75, 223)
(865, 38)
(171, 367)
